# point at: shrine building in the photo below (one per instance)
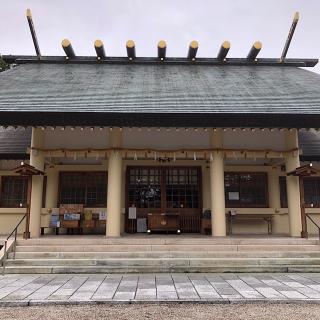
(137, 138)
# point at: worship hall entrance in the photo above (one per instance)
(163, 198)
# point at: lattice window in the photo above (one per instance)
(182, 188)
(246, 189)
(144, 187)
(87, 188)
(14, 191)
(312, 191)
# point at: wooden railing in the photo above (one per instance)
(318, 227)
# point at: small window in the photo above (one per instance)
(44, 191)
(87, 188)
(246, 189)
(14, 191)
(283, 192)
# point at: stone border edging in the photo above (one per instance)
(32, 303)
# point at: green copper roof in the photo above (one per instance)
(214, 91)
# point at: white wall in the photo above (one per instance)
(165, 139)
(77, 138)
(256, 140)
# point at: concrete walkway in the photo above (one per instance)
(113, 288)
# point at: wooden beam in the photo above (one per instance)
(131, 49)
(162, 48)
(290, 35)
(192, 52)
(254, 51)
(21, 59)
(98, 45)
(224, 49)
(33, 33)
(67, 47)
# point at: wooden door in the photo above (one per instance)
(165, 189)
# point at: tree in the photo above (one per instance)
(3, 65)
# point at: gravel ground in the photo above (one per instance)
(166, 311)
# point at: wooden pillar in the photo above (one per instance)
(274, 194)
(304, 224)
(52, 188)
(218, 216)
(36, 160)
(293, 191)
(114, 186)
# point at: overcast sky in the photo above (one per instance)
(210, 22)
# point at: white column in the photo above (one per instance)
(218, 216)
(114, 186)
(52, 188)
(36, 160)
(274, 195)
(293, 191)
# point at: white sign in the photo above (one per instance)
(233, 212)
(102, 215)
(71, 216)
(233, 195)
(132, 213)
(141, 225)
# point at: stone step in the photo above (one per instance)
(257, 248)
(166, 254)
(167, 240)
(123, 248)
(158, 269)
(167, 248)
(165, 262)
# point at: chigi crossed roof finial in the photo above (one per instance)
(191, 57)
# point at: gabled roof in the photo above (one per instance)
(304, 171)
(14, 143)
(26, 169)
(159, 95)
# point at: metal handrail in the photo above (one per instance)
(5, 253)
(308, 216)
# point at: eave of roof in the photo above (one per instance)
(14, 156)
(229, 120)
(14, 143)
(309, 142)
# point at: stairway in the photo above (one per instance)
(154, 254)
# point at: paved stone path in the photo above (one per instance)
(218, 288)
